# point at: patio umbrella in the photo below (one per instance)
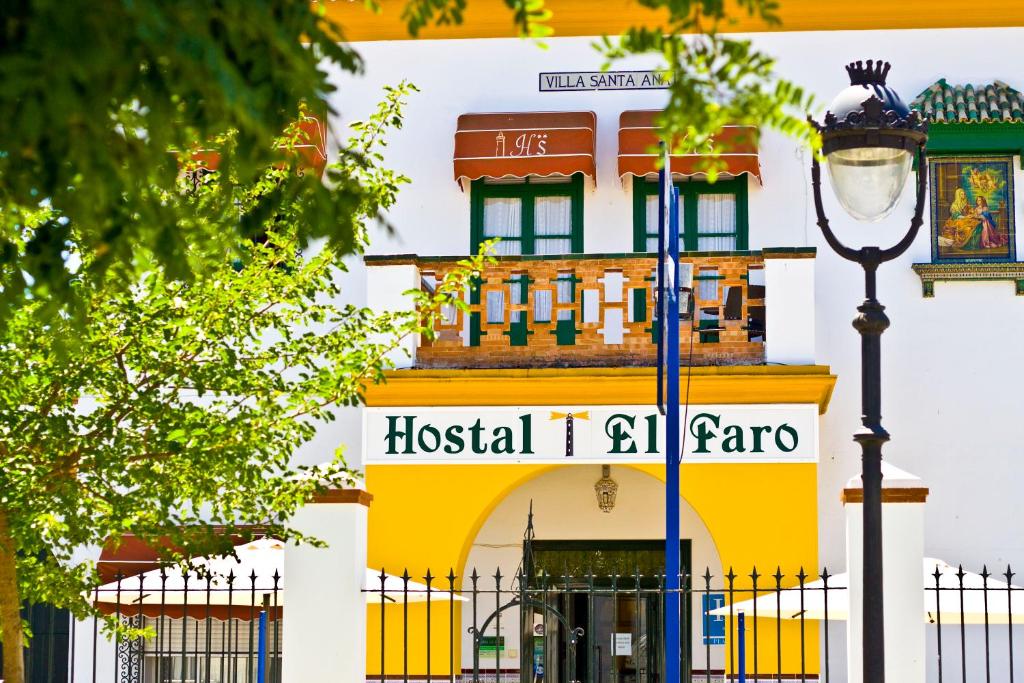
(1005, 604)
(263, 558)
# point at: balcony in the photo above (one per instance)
(592, 310)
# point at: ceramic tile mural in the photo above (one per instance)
(972, 209)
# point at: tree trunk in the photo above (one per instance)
(11, 632)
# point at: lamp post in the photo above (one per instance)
(870, 139)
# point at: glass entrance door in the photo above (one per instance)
(610, 593)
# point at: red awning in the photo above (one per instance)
(310, 146)
(638, 134)
(524, 144)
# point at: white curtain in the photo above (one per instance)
(552, 216)
(503, 218)
(542, 305)
(651, 210)
(652, 222)
(565, 285)
(707, 290)
(495, 307)
(716, 213)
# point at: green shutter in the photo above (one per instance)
(639, 305)
(565, 330)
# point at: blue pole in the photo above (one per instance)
(261, 662)
(741, 639)
(670, 321)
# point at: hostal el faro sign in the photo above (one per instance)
(550, 434)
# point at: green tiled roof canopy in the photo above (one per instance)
(991, 103)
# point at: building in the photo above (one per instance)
(540, 399)
(558, 344)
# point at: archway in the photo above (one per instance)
(565, 510)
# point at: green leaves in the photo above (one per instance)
(716, 80)
(97, 97)
(530, 17)
(171, 406)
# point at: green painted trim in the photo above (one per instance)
(474, 329)
(975, 138)
(565, 331)
(789, 251)
(474, 289)
(577, 213)
(689, 191)
(640, 194)
(708, 337)
(742, 214)
(639, 305)
(527, 193)
(518, 333)
(655, 330)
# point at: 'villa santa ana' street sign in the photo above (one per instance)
(568, 81)
(582, 434)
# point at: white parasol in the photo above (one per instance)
(1004, 602)
(254, 572)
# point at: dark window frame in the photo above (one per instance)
(689, 192)
(527, 192)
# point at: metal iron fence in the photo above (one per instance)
(531, 626)
(597, 628)
(200, 628)
(974, 618)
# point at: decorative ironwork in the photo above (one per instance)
(870, 114)
(880, 120)
(129, 652)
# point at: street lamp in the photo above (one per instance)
(869, 139)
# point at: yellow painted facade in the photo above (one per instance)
(426, 516)
(735, 384)
(493, 19)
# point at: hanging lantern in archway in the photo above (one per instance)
(606, 488)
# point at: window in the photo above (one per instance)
(713, 218)
(532, 216)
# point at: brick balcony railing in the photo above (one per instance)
(595, 310)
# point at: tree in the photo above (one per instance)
(95, 95)
(717, 80)
(167, 337)
(174, 406)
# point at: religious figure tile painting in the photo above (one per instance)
(972, 209)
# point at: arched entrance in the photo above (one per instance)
(578, 546)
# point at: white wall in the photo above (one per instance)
(951, 365)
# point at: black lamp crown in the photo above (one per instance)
(869, 113)
(872, 74)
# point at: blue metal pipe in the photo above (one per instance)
(669, 196)
(741, 645)
(261, 654)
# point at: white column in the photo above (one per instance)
(385, 293)
(903, 498)
(324, 607)
(789, 307)
(86, 633)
